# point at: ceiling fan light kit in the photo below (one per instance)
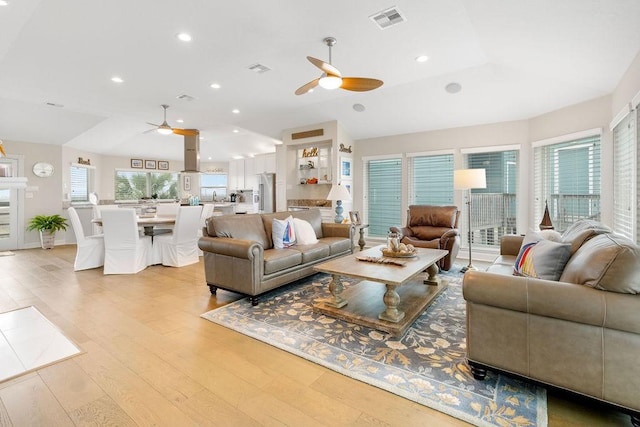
(330, 82)
(332, 78)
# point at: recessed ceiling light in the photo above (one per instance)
(209, 158)
(117, 79)
(453, 87)
(215, 86)
(237, 157)
(236, 131)
(184, 37)
(4, 3)
(422, 58)
(180, 121)
(235, 111)
(359, 107)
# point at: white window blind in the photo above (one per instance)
(624, 180)
(493, 209)
(431, 180)
(79, 184)
(567, 177)
(383, 179)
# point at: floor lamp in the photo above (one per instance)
(468, 179)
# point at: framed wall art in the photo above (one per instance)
(149, 164)
(136, 163)
(345, 168)
(163, 165)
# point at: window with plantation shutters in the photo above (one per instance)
(431, 179)
(79, 184)
(624, 177)
(567, 177)
(493, 209)
(383, 191)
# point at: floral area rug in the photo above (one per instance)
(427, 365)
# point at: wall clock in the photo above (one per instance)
(43, 169)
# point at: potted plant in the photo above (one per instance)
(47, 225)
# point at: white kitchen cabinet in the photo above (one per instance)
(235, 180)
(250, 180)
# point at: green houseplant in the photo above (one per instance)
(47, 225)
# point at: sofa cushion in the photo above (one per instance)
(280, 259)
(283, 233)
(581, 231)
(315, 252)
(336, 244)
(428, 232)
(246, 227)
(313, 217)
(305, 234)
(540, 258)
(434, 216)
(607, 261)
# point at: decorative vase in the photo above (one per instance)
(47, 239)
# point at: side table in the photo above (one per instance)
(361, 241)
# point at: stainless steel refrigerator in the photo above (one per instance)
(266, 195)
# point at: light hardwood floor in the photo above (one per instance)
(149, 359)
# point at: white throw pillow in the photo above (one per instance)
(305, 235)
(284, 234)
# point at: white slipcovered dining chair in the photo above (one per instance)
(167, 209)
(180, 247)
(207, 211)
(89, 249)
(97, 212)
(126, 252)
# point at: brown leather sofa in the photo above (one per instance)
(433, 227)
(581, 333)
(239, 255)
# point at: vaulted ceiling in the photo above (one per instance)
(513, 59)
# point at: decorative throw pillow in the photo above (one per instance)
(543, 259)
(283, 234)
(305, 235)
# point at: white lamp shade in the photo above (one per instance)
(466, 179)
(338, 192)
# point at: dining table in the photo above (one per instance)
(149, 223)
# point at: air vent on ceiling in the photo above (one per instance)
(388, 18)
(258, 68)
(53, 104)
(185, 97)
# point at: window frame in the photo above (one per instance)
(538, 205)
(90, 182)
(147, 174)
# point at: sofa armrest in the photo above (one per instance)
(237, 248)
(510, 244)
(332, 229)
(451, 234)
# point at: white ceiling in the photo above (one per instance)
(515, 59)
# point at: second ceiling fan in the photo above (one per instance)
(332, 79)
(165, 129)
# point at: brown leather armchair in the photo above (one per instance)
(433, 227)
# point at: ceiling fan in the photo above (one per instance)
(165, 129)
(332, 79)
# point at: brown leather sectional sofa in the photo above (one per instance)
(581, 333)
(239, 255)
